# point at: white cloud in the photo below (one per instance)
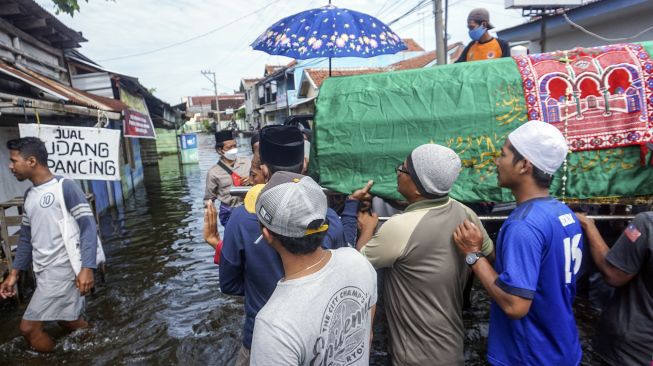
(125, 27)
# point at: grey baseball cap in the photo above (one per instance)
(292, 205)
(480, 15)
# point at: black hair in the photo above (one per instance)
(300, 246)
(297, 168)
(30, 146)
(219, 145)
(541, 178)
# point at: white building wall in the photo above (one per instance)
(10, 187)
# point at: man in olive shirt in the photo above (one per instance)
(625, 332)
(425, 275)
(231, 170)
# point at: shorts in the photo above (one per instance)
(56, 296)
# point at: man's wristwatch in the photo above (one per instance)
(473, 257)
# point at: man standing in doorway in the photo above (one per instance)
(483, 46)
(538, 254)
(231, 170)
(59, 291)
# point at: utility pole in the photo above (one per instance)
(440, 52)
(206, 74)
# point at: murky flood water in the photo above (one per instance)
(161, 303)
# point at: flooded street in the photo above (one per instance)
(161, 303)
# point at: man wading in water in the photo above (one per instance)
(59, 290)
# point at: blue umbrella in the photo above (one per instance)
(329, 32)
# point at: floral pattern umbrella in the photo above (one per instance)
(329, 32)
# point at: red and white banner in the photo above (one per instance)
(137, 121)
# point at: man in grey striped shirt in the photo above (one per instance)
(59, 292)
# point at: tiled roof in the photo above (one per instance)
(415, 62)
(226, 101)
(68, 94)
(427, 58)
(271, 69)
(412, 45)
(319, 75)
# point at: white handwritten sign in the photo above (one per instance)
(79, 152)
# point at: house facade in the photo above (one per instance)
(291, 89)
(45, 80)
(611, 19)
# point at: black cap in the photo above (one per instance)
(256, 137)
(281, 146)
(224, 135)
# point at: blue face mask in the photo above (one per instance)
(477, 33)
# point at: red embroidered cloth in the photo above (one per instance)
(604, 93)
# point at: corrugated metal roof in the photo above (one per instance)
(62, 92)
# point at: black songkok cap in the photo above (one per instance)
(281, 146)
(256, 137)
(224, 135)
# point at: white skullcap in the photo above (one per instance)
(434, 169)
(540, 143)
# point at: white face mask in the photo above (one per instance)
(231, 154)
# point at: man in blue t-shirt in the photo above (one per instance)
(538, 254)
(248, 265)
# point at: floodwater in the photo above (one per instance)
(161, 303)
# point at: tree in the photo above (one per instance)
(67, 6)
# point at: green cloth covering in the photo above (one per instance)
(366, 125)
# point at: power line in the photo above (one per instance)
(391, 8)
(430, 15)
(422, 4)
(579, 27)
(382, 7)
(192, 38)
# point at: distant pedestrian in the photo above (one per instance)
(59, 294)
(538, 254)
(483, 46)
(230, 170)
(322, 309)
(624, 335)
(424, 274)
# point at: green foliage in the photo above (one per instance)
(240, 114)
(66, 6)
(206, 124)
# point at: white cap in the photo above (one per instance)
(540, 143)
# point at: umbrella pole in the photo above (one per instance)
(329, 62)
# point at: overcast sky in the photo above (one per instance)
(127, 27)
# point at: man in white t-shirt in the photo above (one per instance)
(60, 291)
(321, 311)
